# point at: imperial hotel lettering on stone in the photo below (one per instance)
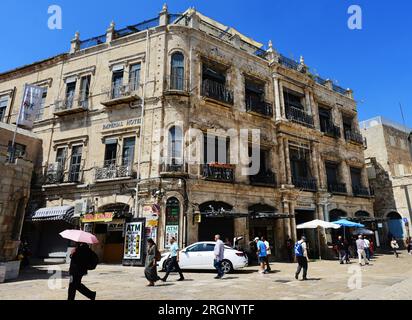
(175, 72)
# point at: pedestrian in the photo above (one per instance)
(395, 246)
(346, 248)
(360, 246)
(262, 254)
(371, 247)
(289, 248)
(219, 255)
(301, 254)
(268, 253)
(152, 256)
(367, 248)
(409, 245)
(341, 249)
(82, 259)
(174, 261)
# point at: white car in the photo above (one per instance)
(200, 256)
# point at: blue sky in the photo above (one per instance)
(376, 61)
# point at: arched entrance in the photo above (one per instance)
(333, 234)
(395, 226)
(216, 219)
(337, 214)
(172, 222)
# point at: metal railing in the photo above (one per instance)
(262, 107)
(307, 184)
(267, 178)
(338, 89)
(92, 42)
(166, 167)
(332, 130)
(74, 102)
(147, 24)
(299, 116)
(217, 91)
(122, 91)
(222, 173)
(111, 170)
(337, 188)
(354, 136)
(56, 174)
(176, 82)
(289, 63)
(360, 191)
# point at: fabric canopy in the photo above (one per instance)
(349, 224)
(318, 223)
(64, 213)
(363, 231)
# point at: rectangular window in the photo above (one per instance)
(216, 149)
(40, 113)
(293, 100)
(332, 173)
(110, 155)
(18, 152)
(128, 151)
(84, 91)
(299, 162)
(355, 174)
(75, 164)
(70, 91)
(325, 119)
(4, 101)
(134, 77)
(117, 84)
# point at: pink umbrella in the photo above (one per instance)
(79, 236)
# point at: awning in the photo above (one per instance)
(64, 213)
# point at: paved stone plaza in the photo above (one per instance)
(386, 278)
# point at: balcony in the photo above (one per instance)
(299, 116)
(354, 137)
(261, 107)
(332, 131)
(120, 94)
(267, 179)
(71, 105)
(217, 91)
(177, 84)
(306, 184)
(173, 170)
(360, 191)
(111, 171)
(56, 174)
(219, 172)
(338, 188)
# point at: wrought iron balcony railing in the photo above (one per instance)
(173, 168)
(267, 178)
(307, 184)
(71, 104)
(337, 188)
(219, 172)
(262, 107)
(354, 137)
(299, 116)
(124, 93)
(55, 174)
(177, 83)
(332, 130)
(217, 91)
(360, 191)
(112, 171)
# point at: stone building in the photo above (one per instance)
(389, 161)
(123, 129)
(15, 179)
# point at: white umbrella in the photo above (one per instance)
(363, 231)
(315, 224)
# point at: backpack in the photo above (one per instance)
(298, 249)
(93, 260)
(158, 255)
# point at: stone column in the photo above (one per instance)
(278, 106)
(282, 171)
(347, 177)
(282, 101)
(315, 164)
(292, 221)
(287, 162)
(315, 111)
(308, 102)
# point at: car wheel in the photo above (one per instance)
(227, 266)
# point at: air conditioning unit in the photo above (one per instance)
(82, 207)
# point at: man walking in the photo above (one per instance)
(360, 246)
(341, 249)
(301, 254)
(219, 254)
(268, 253)
(367, 248)
(174, 260)
(261, 252)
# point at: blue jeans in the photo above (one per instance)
(368, 253)
(218, 266)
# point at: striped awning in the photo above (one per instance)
(64, 213)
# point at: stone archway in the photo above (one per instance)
(337, 214)
(395, 225)
(216, 219)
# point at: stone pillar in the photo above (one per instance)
(110, 33)
(287, 162)
(292, 221)
(308, 102)
(75, 43)
(278, 106)
(282, 175)
(315, 110)
(164, 16)
(347, 177)
(282, 101)
(315, 163)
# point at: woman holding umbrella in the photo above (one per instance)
(150, 270)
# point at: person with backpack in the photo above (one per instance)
(82, 260)
(152, 257)
(174, 261)
(301, 254)
(395, 246)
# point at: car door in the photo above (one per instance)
(189, 258)
(206, 257)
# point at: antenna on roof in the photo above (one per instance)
(403, 117)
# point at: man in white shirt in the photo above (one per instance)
(367, 248)
(268, 253)
(219, 254)
(360, 246)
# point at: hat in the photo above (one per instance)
(257, 238)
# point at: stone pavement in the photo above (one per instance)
(385, 278)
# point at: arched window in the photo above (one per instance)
(172, 220)
(175, 145)
(177, 74)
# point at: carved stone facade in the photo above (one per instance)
(189, 72)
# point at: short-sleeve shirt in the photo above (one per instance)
(174, 248)
(262, 249)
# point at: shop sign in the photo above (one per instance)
(133, 241)
(121, 124)
(98, 217)
(171, 231)
(152, 223)
(305, 205)
(380, 225)
(115, 226)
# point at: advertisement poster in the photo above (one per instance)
(171, 231)
(151, 232)
(133, 241)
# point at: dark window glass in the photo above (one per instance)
(128, 151)
(134, 77)
(75, 164)
(177, 72)
(110, 154)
